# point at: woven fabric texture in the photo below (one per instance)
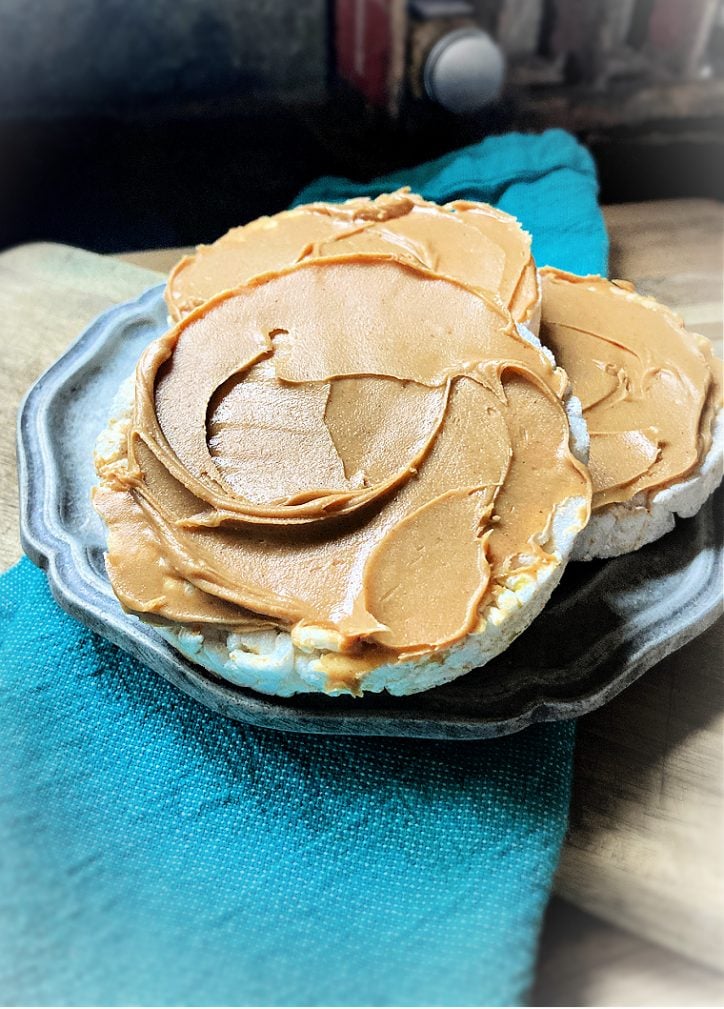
(153, 853)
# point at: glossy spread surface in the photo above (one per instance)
(472, 242)
(649, 389)
(355, 448)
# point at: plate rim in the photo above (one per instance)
(52, 549)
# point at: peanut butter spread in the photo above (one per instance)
(471, 242)
(649, 389)
(355, 445)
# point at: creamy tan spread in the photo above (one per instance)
(649, 389)
(357, 444)
(472, 242)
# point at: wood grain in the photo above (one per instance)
(48, 294)
(673, 250)
(584, 961)
(645, 846)
(645, 849)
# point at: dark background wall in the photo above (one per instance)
(141, 123)
(73, 57)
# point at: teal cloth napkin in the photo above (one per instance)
(153, 853)
(547, 180)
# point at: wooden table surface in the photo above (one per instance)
(645, 849)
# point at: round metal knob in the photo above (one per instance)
(464, 71)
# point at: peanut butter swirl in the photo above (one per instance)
(472, 242)
(649, 389)
(355, 444)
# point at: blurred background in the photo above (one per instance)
(153, 124)
(132, 124)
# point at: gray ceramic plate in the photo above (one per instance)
(606, 624)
